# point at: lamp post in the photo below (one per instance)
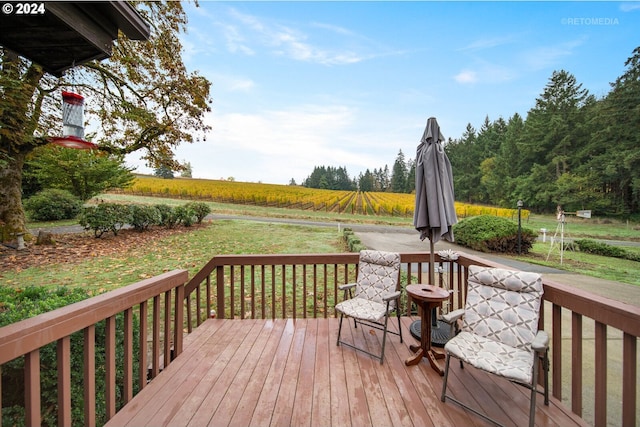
(520, 204)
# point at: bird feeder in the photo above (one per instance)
(73, 123)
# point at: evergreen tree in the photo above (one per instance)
(463, 164)
(163, 172)
(490, 140)
(614, 165)
(410, 186)
(552, 135)
(385, 179)
(187, 170)
(399, 174)
(329, 178)
(366, 181)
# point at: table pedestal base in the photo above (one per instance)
(431, 355)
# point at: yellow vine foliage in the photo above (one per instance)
(296, 197)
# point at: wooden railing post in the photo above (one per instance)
(128, 355)
(110, 369)
(576, 363)
(178, 320)
(89, 376)
(63, 356)
(220, 292)
(32, 388)
(629, 375)
(600, 419)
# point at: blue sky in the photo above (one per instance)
(301, 84)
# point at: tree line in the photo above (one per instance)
(572, 150)
(400, 180)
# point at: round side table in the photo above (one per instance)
(428, 297)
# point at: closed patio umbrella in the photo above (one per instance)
(434, 214)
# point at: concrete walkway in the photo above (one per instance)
(406, 240)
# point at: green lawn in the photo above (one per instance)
(193, 250)
(189, 251)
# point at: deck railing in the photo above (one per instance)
(600, 385)
(298, 286)
(158, 299)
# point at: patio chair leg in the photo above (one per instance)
(545, 367)
(399, 324)
(444, 380)
(339, 329)
(384, 337)
(534, 392)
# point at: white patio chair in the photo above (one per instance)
(376, 295)
(499, 330)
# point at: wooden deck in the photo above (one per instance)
(290, 372)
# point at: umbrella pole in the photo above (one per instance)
(432, 274)
(432, 259)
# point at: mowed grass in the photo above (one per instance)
(616, 269)
(190, 250)
(193, 250)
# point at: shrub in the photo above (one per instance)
(599, 248)
(185, 215)
(168, 216)
(200, 209)
(144, 216)
(19, 304)
(105, 217)
(52, 204)
(353, 242)
(488, 233)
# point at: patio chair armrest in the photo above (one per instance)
(451, 317)
(391, 296)
(346, 286)
(541, 342)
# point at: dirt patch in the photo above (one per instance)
(71, 248)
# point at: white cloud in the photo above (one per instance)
(230, 83)
(275, 146)
(290, 42)
(487, 43)
(334, 28)
(241, 85)
(466, 77)
(235, 41)
(628, 7)
(548, 56)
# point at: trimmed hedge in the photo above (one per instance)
(112, 217)
(486, 233)
(105, 217)
(354, 243)
(599, 248)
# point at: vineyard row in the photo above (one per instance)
(295, 197)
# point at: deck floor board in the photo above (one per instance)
(291, 372)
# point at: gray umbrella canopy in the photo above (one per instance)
(434, 214)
